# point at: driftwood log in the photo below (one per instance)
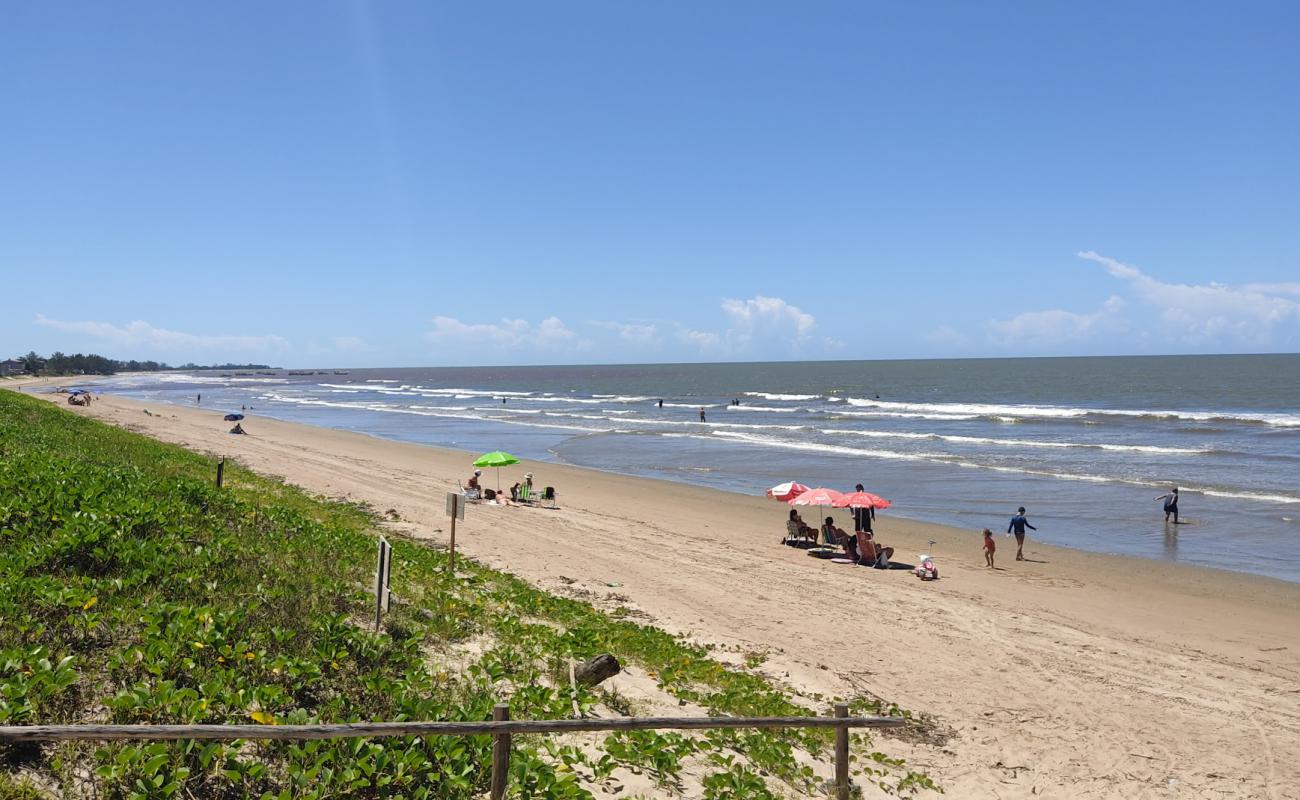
(596, 669)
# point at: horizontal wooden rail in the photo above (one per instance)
(53, 733)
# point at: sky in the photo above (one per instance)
(317, 183)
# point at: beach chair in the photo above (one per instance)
(792, 532)
(472, 495)
(548, 496)
(525, 494)
(828, 536)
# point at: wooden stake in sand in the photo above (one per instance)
(455, 510)
(382, 575)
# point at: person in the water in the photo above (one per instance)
(1171, 504)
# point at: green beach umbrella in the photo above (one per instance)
(498, 460)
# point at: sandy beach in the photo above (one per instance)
(1071, 675)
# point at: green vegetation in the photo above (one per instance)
(92, 364)
(83, 364)
(133, 591)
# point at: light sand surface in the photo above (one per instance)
(1073, 675)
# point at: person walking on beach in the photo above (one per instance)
(990, 547)
(1018, 524)
(1171, 504)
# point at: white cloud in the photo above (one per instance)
(509, 334)
(632, 332)
(704, 341)
(1056, 326)
(1211, 313)
(1273, 288)
(945, 334)
(763, 326)
(768, 313)
(142, 335)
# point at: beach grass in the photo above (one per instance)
(132, 590)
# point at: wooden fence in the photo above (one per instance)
(500, 728)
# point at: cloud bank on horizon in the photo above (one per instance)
(1149, 314)
(1174, 316)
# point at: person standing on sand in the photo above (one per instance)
(1171, 504)
(990, 547)
(862, 516)
(1018, 524)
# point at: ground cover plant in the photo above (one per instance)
(134, 591)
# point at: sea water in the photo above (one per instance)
(1084, 443)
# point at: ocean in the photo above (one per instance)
(1084, 443)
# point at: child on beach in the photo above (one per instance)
(990, 547)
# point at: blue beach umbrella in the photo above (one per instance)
(233, 417)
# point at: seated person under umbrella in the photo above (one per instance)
(873, 553)
(835, 535)
(796, 528)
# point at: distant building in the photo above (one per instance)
(12, 367)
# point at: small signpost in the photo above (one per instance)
(455, 510)
(382, 573)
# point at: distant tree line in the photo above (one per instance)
(92, 364)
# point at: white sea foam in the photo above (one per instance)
(1125, 448)
(1259, 496)
(778, 396)
(902, 415)
(212, 379)
(1014, 412)
(420, 411)
(940, 458)
(769, 409)
(813, 447)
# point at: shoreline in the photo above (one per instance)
(1092, 675)
(1152, 562)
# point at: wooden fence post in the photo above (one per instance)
(500, 754)
(451, 553)
(221, 467)
(841, 754)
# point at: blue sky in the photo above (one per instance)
(416, 183)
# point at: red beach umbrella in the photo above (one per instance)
(860, 500)
(820, 496)
(786, 491)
